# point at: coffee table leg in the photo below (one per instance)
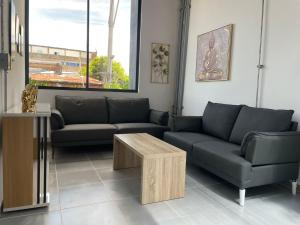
(163, 179)
(123, 157)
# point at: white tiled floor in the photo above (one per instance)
(85, 190)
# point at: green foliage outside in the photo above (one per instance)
(98, 67)
(38, 83)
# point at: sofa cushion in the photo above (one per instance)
(79, 110)
(128, 110)
(187, 123)
(159, 117)
(223, 159)
(150, 128)
(84, 133)
(185, 140)
(218, 119)
(259, 119)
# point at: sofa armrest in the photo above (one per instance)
(56, 120)
(263, 148)
(159, 117)
(187, 123)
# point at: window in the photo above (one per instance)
(83, 44)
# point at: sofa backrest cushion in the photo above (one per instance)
(159, 117)
(260, 119)
(218, 119)
(128, 110)
(79, 110)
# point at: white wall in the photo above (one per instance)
(159, 24)
(207, 15)
(281, 78)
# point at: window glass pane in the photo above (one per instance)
(57, 38)
(110, 35)
(57, 43)
(39, 49)
(71, 53)
(56, 51)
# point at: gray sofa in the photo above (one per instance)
(245, 146)
(78, 121)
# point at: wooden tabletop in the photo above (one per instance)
(147, 146)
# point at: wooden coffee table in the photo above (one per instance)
(163, 165)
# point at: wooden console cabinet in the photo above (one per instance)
(25, 163)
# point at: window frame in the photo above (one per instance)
(87, 88)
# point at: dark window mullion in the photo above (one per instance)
(137, 72)
(26, 42)
(88, 44)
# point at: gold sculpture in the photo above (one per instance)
(29, 98)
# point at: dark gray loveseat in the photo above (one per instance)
(92, 121)
(246, 146)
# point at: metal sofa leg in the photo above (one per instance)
(242, 197)
(294, 186)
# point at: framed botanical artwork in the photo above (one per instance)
(17, 34)
(160, 54)
(214, 55)
(21, 40)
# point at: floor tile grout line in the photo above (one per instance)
(75, 171)
(61, 217)
(173, 209)
(98, 175)
(87, 204)
(225, 207)
(58, 193)
(26, 215)
(110, 180)
(212, 199)
(96, 183)
(63, 160)
(83, 205)
(110, 196)
(99, 203)
(80, 185)
(234, 212)
(82, 170)
(57, 184)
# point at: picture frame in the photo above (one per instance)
(214, 55)
(160, 54)
(21, 40)
(12, 31)
(17, 34)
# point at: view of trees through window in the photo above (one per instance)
(59, 50)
